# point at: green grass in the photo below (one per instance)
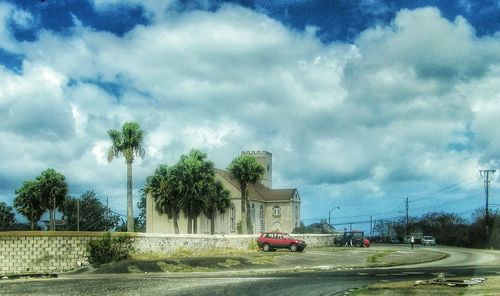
(375, 258)
(184, 260)
(489, 288)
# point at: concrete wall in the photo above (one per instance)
(46, 251)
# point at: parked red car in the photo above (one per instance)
(270, 241)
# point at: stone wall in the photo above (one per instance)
(47, 252)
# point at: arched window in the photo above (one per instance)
(261, 218)
(276, 211)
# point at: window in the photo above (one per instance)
(276, 211)
(261, 216)
(233, 219)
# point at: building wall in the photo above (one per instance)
(23, 252)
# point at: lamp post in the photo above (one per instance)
(329, 212)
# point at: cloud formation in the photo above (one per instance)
(409, 103)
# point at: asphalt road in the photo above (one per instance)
(462, 262)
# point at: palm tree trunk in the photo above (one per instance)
(51, 218)
(190, 224)
(130, 204)
(248, 219)
(195, 225)
(32, 225)
(176, 223)
(212, 223)
(243, 218)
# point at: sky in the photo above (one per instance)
(362, 103)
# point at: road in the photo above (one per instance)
(462, 262)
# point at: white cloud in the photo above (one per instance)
(343, 120)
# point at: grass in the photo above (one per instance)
(375, 258)
(489, 288)
(185, 260)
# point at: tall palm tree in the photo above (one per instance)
(216, 200)
(161, 188)
(246, 170)
(52, 188)
(195, 174)
(128, 143)
(28, 202)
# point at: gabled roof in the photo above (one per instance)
(258, 191)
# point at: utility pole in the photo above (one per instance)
(407, 218)
(371, 225)
(78, 215)
(486, 175)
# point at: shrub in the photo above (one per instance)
(109, 249)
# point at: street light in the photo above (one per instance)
(329, 221)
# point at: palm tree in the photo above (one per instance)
(161, 188)
(128, 143)
(216, 200)
(52, 188)
(246, 170)
(28, 202)
(194, 176)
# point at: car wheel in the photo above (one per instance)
(293, 247)
(266, 248)
(301, 250)
(359, 244)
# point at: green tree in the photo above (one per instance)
(94, 215)
(140, 224)
(194, 176)
(127, 143)
(163, 189)
(6, 216)
(247, 171)
(216, 200)
(52, 188)
(28, 202)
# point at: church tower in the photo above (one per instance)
(266, 160)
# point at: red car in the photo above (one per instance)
(270, 241)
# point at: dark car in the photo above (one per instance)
(352, 238)
(270, 241)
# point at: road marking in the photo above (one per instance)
(413, 272)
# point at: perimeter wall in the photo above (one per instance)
(49, 252)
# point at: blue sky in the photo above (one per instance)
(362, 103)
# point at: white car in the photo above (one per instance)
(428, 241)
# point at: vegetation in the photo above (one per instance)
(447, 228)
(110, 249)
(194, 176)
(162, 188)
(127, 143)
(94, 216)
(52, 188)
(217, 201)
(6, 216)
(247, 171)
(140, 223)
(190, 187)
(489, 287)
(46, 192)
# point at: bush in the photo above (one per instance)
(110, 249)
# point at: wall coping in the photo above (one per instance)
(138, 234)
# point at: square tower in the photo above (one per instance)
(265, 158)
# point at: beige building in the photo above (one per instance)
(270, 209)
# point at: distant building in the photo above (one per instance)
(270, 209)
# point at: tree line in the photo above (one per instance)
(447, 228)
(188, 187)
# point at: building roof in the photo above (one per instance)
(258, 191)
